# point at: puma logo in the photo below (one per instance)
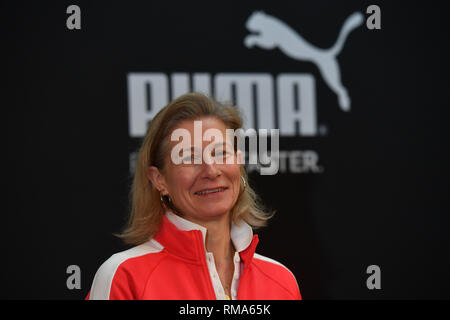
(269, 32)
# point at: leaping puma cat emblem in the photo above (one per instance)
(272, 32)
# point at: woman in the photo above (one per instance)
(192, 216)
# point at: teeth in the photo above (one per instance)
(209, 191)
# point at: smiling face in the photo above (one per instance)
(206, 190)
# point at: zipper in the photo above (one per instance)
(205, 268)
(246, 263)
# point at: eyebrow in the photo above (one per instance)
(215, 145)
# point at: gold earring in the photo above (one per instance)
(245, 183)
(161, 197)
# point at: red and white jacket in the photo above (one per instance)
(175, 265)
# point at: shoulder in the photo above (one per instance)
(278, 273)
(116, 276)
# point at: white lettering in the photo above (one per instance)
(180, 84)
(297, 105)
(374, 281)
(74, 20)
(374, 20)
(196, 310)
(147, 94)
(253, 93)
(246, 309)
(295, 161)
(74, 280)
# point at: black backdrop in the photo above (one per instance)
(380, 196)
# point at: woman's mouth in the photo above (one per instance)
(210, 191)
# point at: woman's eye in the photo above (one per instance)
(190, 159)
(187, 159)
(222, 154)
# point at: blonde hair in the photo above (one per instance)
(146, 208)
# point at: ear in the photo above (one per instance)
(157, 179)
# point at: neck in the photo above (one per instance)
(218, 239)
(218, 242)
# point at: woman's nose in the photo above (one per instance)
(210, 168)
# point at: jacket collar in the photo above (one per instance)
(187, 239)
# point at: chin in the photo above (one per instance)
(213, 212)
